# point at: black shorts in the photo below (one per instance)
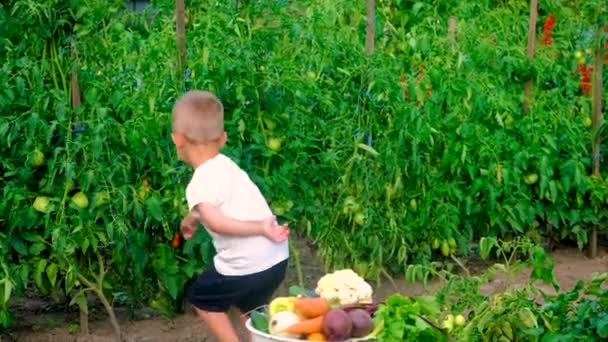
(215, 292)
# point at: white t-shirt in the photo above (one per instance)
(222, 183)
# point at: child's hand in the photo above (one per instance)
(188, 226)
(274, 231)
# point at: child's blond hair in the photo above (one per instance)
(199, 116)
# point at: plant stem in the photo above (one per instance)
(296, 256)
(461, 265)
(84, 321)
(98, 289)
(390, 279)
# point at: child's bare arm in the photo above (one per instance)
(213, 218)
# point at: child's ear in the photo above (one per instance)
(178, 140)
(223, 139)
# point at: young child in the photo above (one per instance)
(252, 249)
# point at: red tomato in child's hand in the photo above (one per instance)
(176, 241)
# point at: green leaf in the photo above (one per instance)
(85, 245)
(18, 245)
(36, 248)
(51, 272)
(429, 305)
(31, 237)
(8, 288)
(24, 273)
(173, 285)
(602, 327)
(70, 279)
(38, 272)
(94, 243)
(154, 208)
(485, 246)
(81, 300)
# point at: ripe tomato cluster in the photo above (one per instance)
(585, 80)
(403, 80)
(548, 25)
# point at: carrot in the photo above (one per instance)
(315, 337)
(307, 327)
(311, 307)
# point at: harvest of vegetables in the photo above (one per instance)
(339, 309)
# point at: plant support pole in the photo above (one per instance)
(597, 121)
(371, 28)
(75, 92)
(531, 42)
(181, 35)
(452, 32)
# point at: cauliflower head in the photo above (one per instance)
(345, 287)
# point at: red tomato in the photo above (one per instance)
(176, 241)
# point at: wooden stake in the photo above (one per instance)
(452, 32)
(371, 28)
(597, 121)
(531, 43)
(75, 90)
(76, 102)
(181, 35)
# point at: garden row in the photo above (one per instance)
(398, 157)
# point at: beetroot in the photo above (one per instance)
(362, 322)
(337, 325)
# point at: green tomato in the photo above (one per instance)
(459, 320)
(274, 144)
(531, 179)
(452, 243)
(414, 204)
(445, 248)
(359, 218)
(587, 122)
(578, 55)
(37, 158)
(41, 204)
(448, 323)
(436, 243)
(80, 200)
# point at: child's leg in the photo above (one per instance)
(219, 324)
(263, 285)
(212, 295)
(243, 321)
